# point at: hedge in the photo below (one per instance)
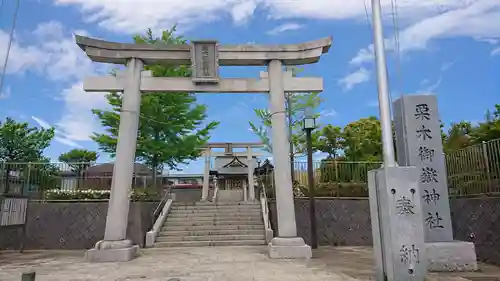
(93, 194)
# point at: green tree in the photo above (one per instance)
(21, 143)
(79, 159)
(489, 129)
(299, 105)
(458, 136)
(362, 140)
(330, 141)
(171, 129)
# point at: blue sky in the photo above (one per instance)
(447, 47)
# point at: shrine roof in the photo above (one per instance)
(179, 54)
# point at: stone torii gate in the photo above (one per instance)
(248, 154)
(205, 57)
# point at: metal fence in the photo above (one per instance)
(474, 170)
(61, 180)
(471, 171)
(334, 178)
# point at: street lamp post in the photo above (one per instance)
(309, 125)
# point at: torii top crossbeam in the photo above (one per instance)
(179, 54)
(234, 144)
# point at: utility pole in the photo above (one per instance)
(383, 86)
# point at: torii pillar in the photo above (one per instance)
(205, 58)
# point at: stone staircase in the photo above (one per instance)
(208, 224)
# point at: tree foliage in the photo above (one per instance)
(171, 129)
(79, 159)
(464, 133)
(301, 105)
(330, 140)
(362, 140)
(21, 143)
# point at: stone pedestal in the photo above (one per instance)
(112, 251)
(289, 248)
(451, 256)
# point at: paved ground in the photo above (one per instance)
(197, 264)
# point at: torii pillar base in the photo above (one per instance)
(289, 248)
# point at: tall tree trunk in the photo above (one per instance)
(155, 160)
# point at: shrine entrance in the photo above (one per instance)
(231, 172)
(205, 57)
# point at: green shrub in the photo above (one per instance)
(332, 189)
(147, 194)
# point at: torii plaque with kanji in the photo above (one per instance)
(205, 62)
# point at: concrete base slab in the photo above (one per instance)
(289, 248)
(451, 256)
(112, 255)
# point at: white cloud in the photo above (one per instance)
(327, 113)
(488, 40)
(285, 27)
(131, 17)
(53, 55)
(495, 52)
(5, 94)
(447, 65)
(243, 11)
(49, 30)
(363, 55)
(77, 122)
(476, 19)
(359, 76)
(58, 135)
(21, 58)
(56, 56)
(431, 88)
(41, 122)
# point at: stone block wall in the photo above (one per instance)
(74, 225)
(346, 222)
(478, 220)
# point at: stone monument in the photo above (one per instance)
(396, 211)
(205, 57)
(419, 144)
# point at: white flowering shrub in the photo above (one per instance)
(142, 194)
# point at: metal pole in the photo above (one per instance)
(383, 86)
(312, 191)
(487, 166)
(290, 132)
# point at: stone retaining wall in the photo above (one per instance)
(346, 222)
(340, 222)
(74, 225)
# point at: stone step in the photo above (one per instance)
(207, 227)
(208, 203)
(213, 207)
(209, 243)
(242, 219)
(210, 238)
(211, 222)
(170, 233)
(207, 213)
